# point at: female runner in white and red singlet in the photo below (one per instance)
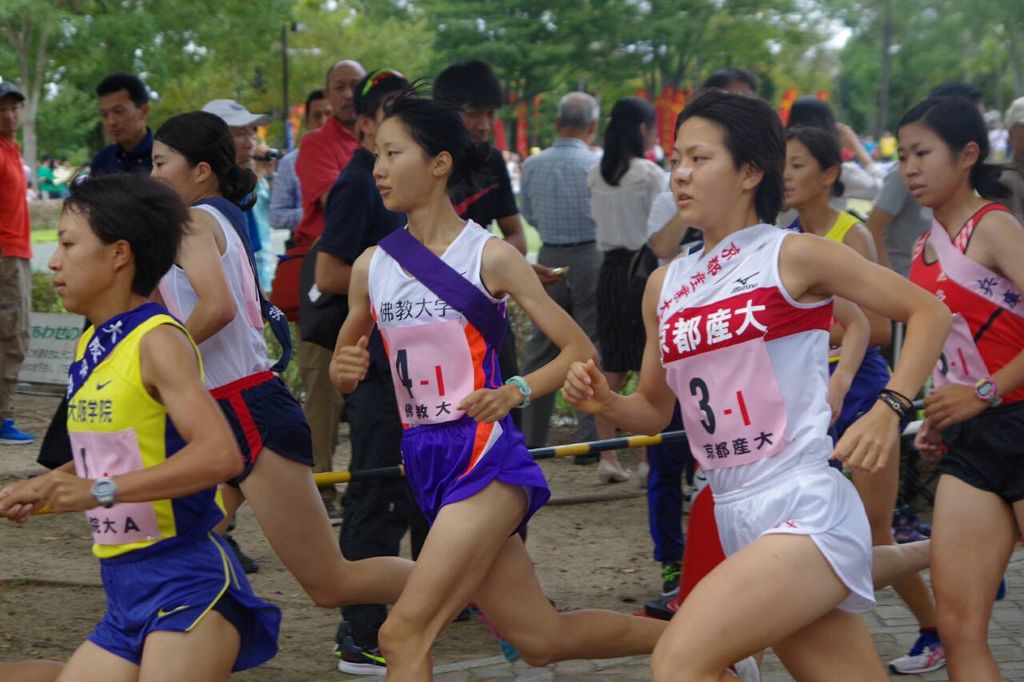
(213, 290)
(738, 332)
(437, 291)
(971, 259)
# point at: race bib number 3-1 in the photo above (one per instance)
(111, 454)
(432, 370)
(733, 410)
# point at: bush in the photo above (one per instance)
(44, 296)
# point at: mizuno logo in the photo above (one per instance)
(743, 283)
(161, 613)
(744, 280)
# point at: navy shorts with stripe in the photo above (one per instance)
(174, 590)
(263, 413)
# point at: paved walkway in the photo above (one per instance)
(893, 628)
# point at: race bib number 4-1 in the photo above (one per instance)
(111, 454)
(733, 410)
(432, 370)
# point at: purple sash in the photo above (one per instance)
(972, 275)
(105, 338)
(449, 285)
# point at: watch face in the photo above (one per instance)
(103, 488)
(986, 389)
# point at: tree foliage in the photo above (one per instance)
(190, 51)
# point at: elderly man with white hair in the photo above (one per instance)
(554, 199)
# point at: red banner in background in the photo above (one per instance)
(786, 105)
(500, 138)
(522, 134)
(666, 108)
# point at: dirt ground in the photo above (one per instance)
(593, 554)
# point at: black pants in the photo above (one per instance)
(376, 513)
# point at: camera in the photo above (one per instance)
(271, 155)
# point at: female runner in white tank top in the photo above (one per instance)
(213, 288)
(738, 333)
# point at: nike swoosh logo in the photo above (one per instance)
(161, 613)
(100, 387)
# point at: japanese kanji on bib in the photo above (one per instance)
(988, 314)
(447, 309)
(747, 362)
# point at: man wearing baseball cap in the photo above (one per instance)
(1013, 175)
(15, 252)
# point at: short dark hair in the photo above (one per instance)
(468, 83)
(116, 82)
(723, 77)
(623, 140)
(200, 136)
(824, 147)
(811, 112)
(313, 96)
(753, 134)
(142, 211)
(374, 88)
(957, 89)
(438, 128)
(958, 122)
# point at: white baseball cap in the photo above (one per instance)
(234, 114)
(1015, 114)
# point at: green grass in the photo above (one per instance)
(44, 236)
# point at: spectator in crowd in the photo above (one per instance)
(556, 201)
(15, 252)
(286, 196)
(732, 80)
(264, 163)
(1013, 174)
(623, 187)
(48, 187)
(471, 88)
(327, 150)
(124, 106)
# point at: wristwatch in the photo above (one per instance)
(524, 388)
(986, 390)
(104, 490)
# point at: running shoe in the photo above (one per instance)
(611, 473)
(249, 565)
(925, 656)
(643, 472)
(670, 573)
(359, 660)
(12, 435)
(747, 670)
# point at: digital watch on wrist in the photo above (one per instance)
(986, 390)
(524, 388)
(104, 490)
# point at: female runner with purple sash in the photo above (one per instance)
(437, 290)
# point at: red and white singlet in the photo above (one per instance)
(748, 363)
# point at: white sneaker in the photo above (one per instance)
(925, 656)
(611, 473)
(643, 470)
(747, 670)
